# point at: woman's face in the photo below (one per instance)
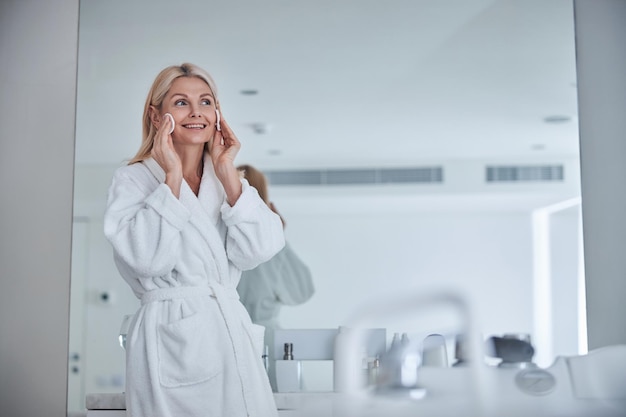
(192, 104)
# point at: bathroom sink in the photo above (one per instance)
(592, 385)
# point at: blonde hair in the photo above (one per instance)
(256, 179)
(161, 85)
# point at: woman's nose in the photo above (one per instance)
(195, 111)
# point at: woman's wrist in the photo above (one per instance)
(174, 181)
(231, 181)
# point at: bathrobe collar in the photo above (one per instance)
(201, 217)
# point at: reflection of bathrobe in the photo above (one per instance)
(283, 280)
(191, 348)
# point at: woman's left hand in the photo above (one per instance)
(223, 149)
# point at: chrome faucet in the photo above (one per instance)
(399, 366)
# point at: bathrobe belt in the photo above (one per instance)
(216, 291)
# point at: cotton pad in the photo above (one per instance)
(217, 112)
(173, 123)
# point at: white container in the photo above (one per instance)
(339, 362)
(288, 375)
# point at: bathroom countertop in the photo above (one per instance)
(299, 400)
(108, 401)
(284, 400)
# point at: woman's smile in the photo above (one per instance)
(195, 126)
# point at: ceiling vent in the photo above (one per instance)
(357, 176)
(512, 173)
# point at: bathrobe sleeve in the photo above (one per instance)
(255, 233)
(283, 280)
(294, 282)
(143, 223)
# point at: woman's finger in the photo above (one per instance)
(226, 130)
(230, 139)
(163, 148)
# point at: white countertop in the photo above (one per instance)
(284, 400)
(113, 401)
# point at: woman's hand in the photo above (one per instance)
(164, 153)
(223, 149)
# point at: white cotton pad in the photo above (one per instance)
(173, 123)
(217, 112)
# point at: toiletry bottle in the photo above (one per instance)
(372, 371)
(288, 372)
(342, 363)
(398, 366)
(404, 340)
(339, 362)
(434, 351)
(390, 362)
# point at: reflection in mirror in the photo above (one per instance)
(284, 280)
(409, 144)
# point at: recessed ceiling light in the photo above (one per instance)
(261, 128)
(274, 152)
(249, 92)
(557, 118)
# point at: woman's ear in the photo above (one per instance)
(155, 118)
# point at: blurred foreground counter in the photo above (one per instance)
(288, 404)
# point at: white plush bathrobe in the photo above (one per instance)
(191, 349)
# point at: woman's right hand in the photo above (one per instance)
(164, 153)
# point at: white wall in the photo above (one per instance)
(486, 255)
(601, 66)
(38, 44)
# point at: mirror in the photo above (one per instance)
(442, 136)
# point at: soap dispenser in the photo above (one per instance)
(288, 372)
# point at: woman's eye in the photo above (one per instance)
(206, 102)
(180, 103)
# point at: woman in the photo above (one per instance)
(183, 225)
(283, 280)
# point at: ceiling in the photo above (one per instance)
(347, 83)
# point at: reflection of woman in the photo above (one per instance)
(283, 280)
(183, 225)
